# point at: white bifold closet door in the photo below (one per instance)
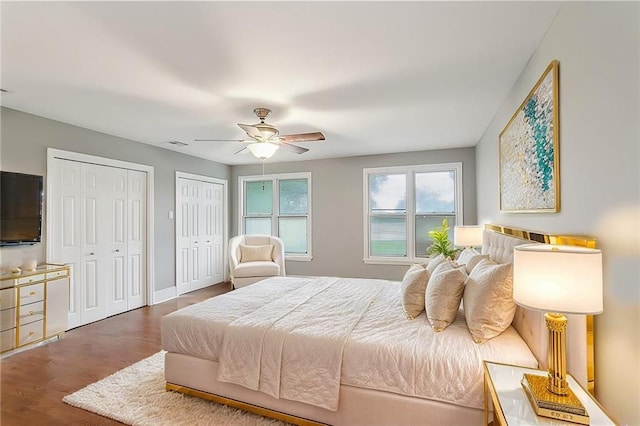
(99, 229)
(199, 236)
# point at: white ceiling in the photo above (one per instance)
(374, 77)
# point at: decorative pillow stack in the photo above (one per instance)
(413, 290)
(484, 287)
(443, 294)
(255, 253)
(488, 300)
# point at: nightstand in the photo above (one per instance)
(511, 406)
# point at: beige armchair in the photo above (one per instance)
(253, 258)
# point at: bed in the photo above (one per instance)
(267, 348)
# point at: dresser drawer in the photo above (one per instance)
(31, 332)
(31, 293)
(57, 274)
(7, 298)
(7, 340)
(30, 279)
(31, 312)
(7, 319)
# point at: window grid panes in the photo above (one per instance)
(404, 204)
(278, 205)
(293, 231)
(259, 198)
(424, 224)
(388, 236)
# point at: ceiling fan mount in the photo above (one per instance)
(267, 130)
(266, 138)
(262, 113)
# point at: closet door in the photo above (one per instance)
(94, 256)
(137, 235)
(183, 236)
(115, 242)
(197, 237)
(204, 240)
(98, 227)
(199, 234)
(66, 232)
(217, 234)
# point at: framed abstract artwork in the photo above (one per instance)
(529, 153)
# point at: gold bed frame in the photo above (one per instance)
(265, 412)
(511, 231)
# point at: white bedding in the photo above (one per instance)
(304, 353)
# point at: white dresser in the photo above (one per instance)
(34, 305)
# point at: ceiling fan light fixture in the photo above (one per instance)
(267, 130)
(263, 150)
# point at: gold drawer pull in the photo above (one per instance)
(32, 293)
(31, 333)
(31, 312)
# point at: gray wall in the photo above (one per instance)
(25, 139)
(338, 240)
(597, 47)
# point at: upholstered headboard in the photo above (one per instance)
(498, 243)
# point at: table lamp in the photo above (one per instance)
(468, 236)
(557, 280)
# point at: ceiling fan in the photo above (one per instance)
(266, 138)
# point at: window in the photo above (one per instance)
(402, 204)
(278, 205)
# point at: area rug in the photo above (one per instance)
(136, 395)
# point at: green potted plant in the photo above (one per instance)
(441, 243)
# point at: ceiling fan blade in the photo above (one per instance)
(219, 140)
(252, 131)
(293, 148)
(244, 150)
(302, 137)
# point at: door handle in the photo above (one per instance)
(91, 254)
(116, 251)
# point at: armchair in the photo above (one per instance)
(253, 258)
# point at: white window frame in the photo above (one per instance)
(409, 172)
(275, 178)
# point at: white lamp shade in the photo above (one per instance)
(263, 150)
(467, 236)
(563, 279)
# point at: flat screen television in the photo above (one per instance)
(20, 209)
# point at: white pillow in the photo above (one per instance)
(434, 262)
(444, 291)
(413, 287)
(471, 263)
(255, 253)
(466, 255)
(488, 300)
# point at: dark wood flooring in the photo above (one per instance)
(33, 382)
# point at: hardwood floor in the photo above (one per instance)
(33, 382)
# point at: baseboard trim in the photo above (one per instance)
(164, 295)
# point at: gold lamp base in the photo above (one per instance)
(567, 408)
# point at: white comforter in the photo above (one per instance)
(300, 338)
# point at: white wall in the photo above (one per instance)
(25, 139)
(597, 45)
(338, 221)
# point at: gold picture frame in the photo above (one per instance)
(529, 151)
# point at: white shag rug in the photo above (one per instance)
(136, 395)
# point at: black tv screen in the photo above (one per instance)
(20, 208)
